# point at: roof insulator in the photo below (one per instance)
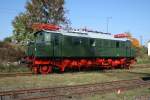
(42, 26)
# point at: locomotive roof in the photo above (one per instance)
(86, 34)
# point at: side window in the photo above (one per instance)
(105, 43)
(56, 39)
(123, 44)
(84, 41)
(76, 40)
(117, 44)
(102, 43)
(99, 42)
(112, 43)
(128, 44)
(92, 42)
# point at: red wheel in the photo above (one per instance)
(62, 69)
(45, 69)
(35, 70)
(127, 66)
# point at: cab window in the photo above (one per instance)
(47, 37)
(55, 38)
(76, 40)
(117, 44)
(39, 37)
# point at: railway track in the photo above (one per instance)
(15, 74)
(67, 92)
(141, 66)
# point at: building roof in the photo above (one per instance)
(98, 35)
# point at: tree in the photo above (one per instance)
(38, 11)
(21, 30)
(8, 39)
(47, 11)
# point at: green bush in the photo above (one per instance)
(142, 55)
(13, 68)
(143, 60)
(11, 52)
(9, 55)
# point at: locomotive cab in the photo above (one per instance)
(46, 43)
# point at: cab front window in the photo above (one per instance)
(39, 37)
(43, 37)
(47, 37)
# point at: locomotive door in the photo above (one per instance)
(128, 49)
(56, 45)
(92, 47)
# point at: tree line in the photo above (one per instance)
(38, 11)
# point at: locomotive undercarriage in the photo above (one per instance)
(46, 65)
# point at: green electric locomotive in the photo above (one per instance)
(77, 49)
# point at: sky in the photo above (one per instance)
(124, 16)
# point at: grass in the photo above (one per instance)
(39, 81)
(136, 94)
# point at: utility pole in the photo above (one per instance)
(107, 20)
(141, 40)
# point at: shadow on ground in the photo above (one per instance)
(146, 75)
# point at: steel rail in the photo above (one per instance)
(71, 90)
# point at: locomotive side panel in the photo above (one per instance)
(76, 47)
(111, 48)
(68, 46)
